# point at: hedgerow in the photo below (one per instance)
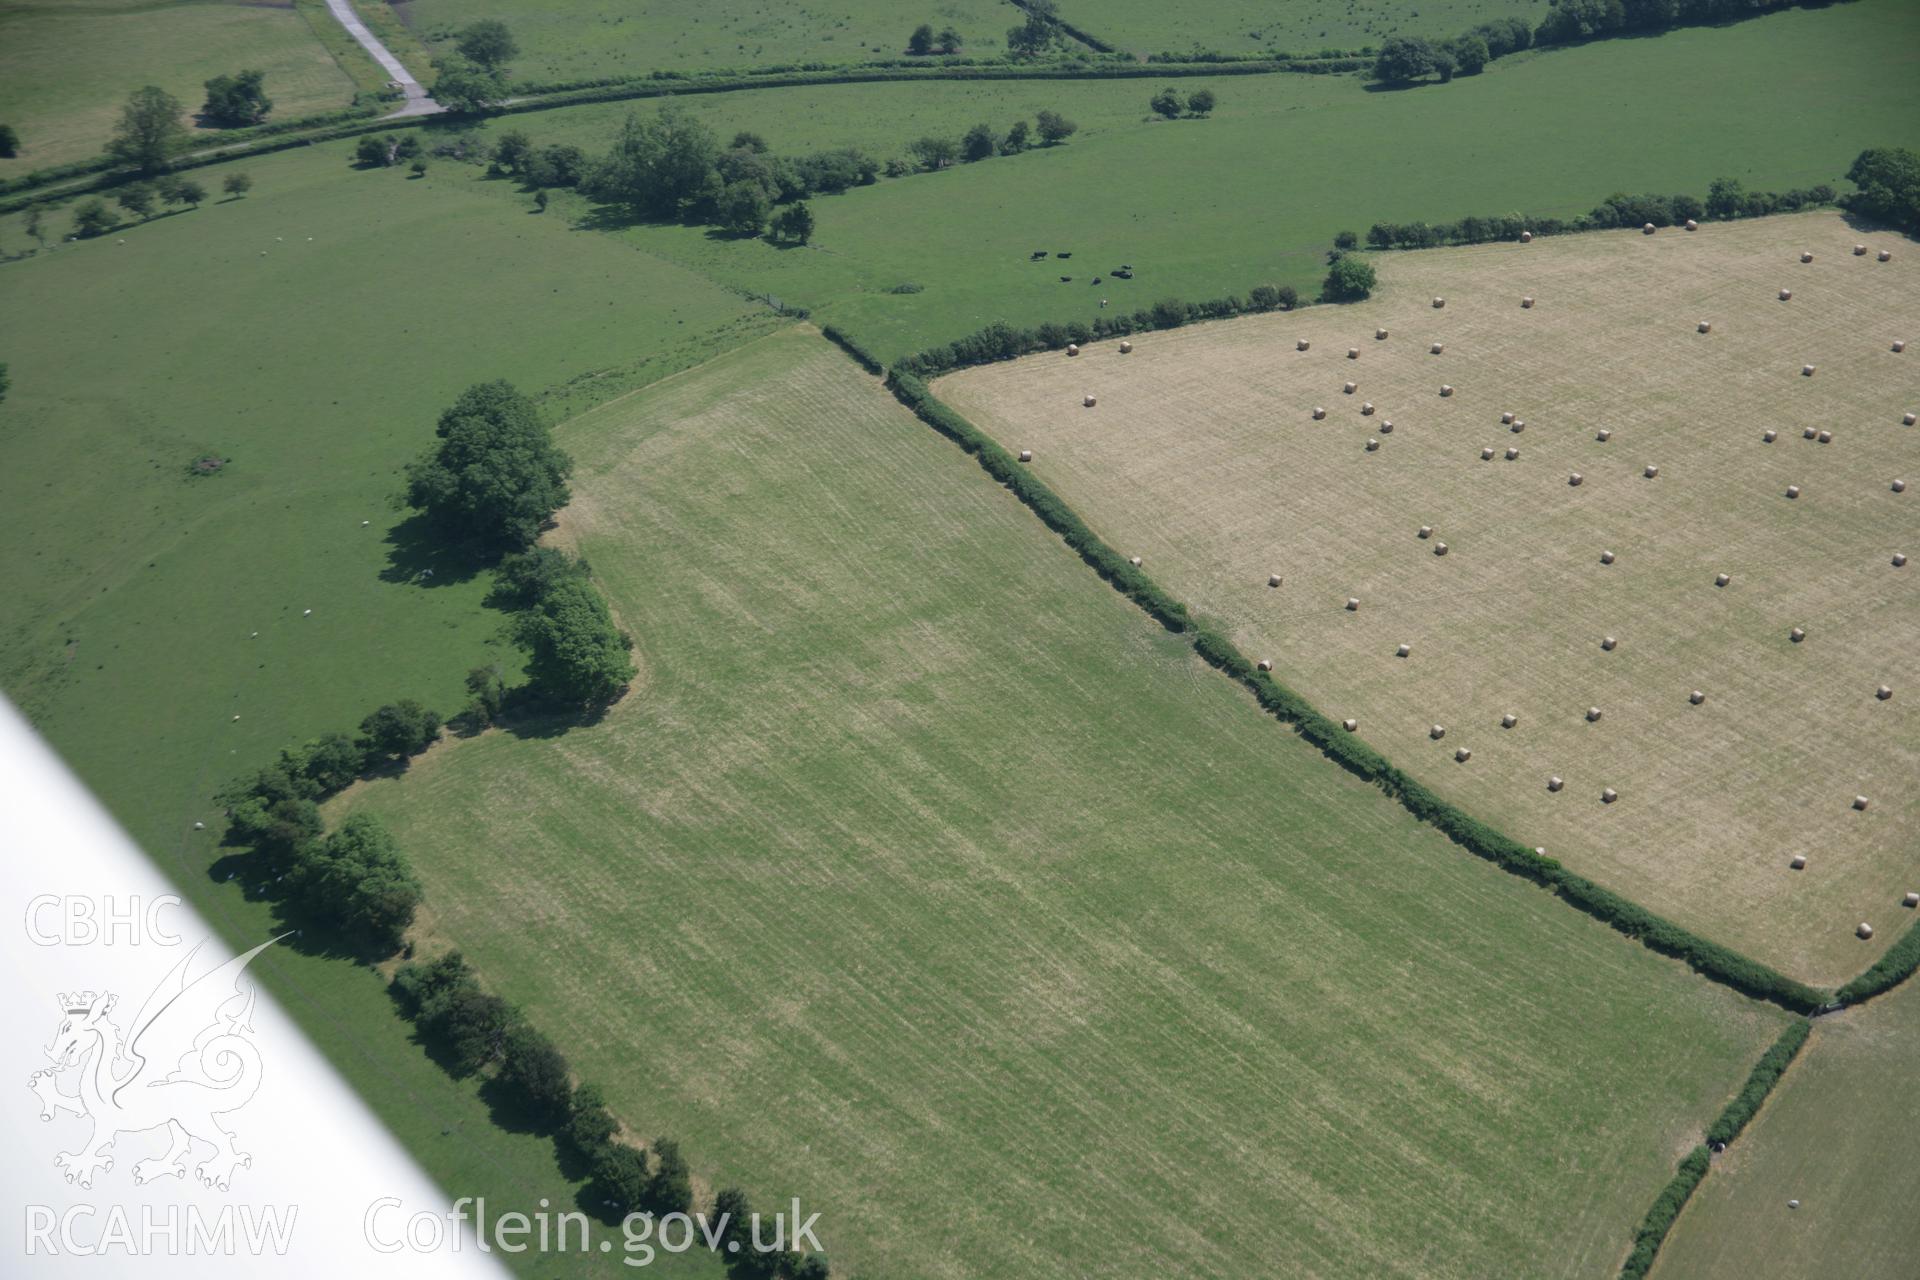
(852, 346)
(1710, 959)
(1895, 967)
(1660, 1218)
(1766, 1073)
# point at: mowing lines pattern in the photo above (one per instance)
(927, 880)
(1203, 456)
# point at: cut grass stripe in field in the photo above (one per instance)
(923, 877)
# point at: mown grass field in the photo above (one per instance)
(66, 69)
(569, 40)
(1203, 457)
(1251, 26)
(1837, 1136)
(1257, 193)
(129, 591)
(921, 876)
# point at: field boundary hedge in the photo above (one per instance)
(1766, 1073)
(1710, 959)
(1666, 1209)
(1892, 969)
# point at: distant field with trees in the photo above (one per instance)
(65, 70)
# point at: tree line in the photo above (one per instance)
(1406, 59)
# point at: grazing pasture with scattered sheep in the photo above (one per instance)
(1658, 518)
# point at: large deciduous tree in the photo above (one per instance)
(149, 131)
(495, 476)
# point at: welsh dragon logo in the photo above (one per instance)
(188, 1058)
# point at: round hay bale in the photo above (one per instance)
(1438, 732)
(1372, 444)
(1859, 251)
(1519, 425)
(1437, 348)
(1555, 783)
(1135, 562)
(1125, 347)
(1265, 664)
(1825, 437)
(1911, 900)
(1506, 419)
(1087, 401)
(1319, 412)
(1692, 225)
(1609, 644)
(1438, 303)
(1883, 692)
(1353, 603)
(1353, 353)
(1274, 579)
(1886, 255)
(1509, 720)
(1526, 237)
(1799, 863)
(1073, 348)
(1403, 651)
(1526, 303)
(1575, 479)
(1865, 931)
(1350, 388)
(1793, 491)
(1705, 326)
(1722, 579)
(1606, 557)
(1439, 548)
(1810, 433)
(1366, 409)
(1350, 725)
(1593, 714)
(1899, 345)
(1486, 455)
(1603, 435)
(1806, 371)
(1647, 230)
(1386, 427)
(1805, 256)
(1696, 697)
(1513, 455)
(1859, 802)
(1899, 559)
(1797, 634)
(1426, 531)
(1608, 795)
(1302, 345)
(1379, 335)
(1652, 471)
(1907, 419)
(1463, 755)
(1899, 486)
(1026, 455)
(1445, 389)
(1786, 295)
(1769, 436)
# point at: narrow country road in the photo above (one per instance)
(418, 103)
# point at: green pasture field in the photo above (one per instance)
(1837, 1136)
(569, 40)
(1204, 208)
(66, 69)
(1299, 28)
(1202, 456)
(922, 876)
(130, 591)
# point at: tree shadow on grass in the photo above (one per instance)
(419, 554)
